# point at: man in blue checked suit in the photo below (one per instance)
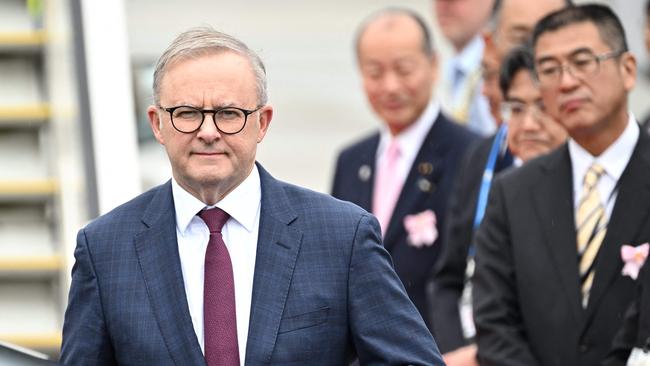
(223, 264)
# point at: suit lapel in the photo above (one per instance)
(555, 212)
(277, 250)
(629, 215)
(366, 174)
(157, 252)
(504, 161)
(422, 179)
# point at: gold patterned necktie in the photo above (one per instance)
(591, 226)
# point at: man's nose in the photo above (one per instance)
(392, 82)
(567, 78)
(530, 121)
(208, 130)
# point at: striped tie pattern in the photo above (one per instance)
(591, 228)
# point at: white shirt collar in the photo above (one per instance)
(469, 58)
(410, 139)
(241, 204)
(614, 159)
(517, 162)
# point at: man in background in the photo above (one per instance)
(403, 173)
(461, 22)
(548, 286)
(510, 26)
(531, 133)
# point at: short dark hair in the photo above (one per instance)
(647, 9)
(427, 43)
(609, 26)
(519, 59)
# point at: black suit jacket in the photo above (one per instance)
(527, 303)
(635, 331)
(645, 123)
(451, 267)
(427, 186)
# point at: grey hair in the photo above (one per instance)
(201, 41)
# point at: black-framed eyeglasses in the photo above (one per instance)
(228, 120)
(580, 65)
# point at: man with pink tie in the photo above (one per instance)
(403, 173)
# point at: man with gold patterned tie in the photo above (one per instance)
(548, 285)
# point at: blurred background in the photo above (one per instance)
(75, 80)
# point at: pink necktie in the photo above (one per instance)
(219, 317)
(388, 186)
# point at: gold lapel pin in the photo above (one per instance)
(425, 168)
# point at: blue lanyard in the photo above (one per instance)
(486, 182)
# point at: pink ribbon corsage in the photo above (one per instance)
(633, 257)
(421, 228)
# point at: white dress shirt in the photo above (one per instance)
(614, 160)
(409, 141)
(457, 77)
(240, 236)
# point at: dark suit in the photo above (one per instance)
(323, 287)
(427, 187)
(635, 331)
(645, 123)
(527, 302)
(452, 265)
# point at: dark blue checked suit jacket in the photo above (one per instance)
(324, 288)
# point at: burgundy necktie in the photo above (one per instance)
(219, 317)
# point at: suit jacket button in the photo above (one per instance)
(583, 348)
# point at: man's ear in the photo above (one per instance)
(433, 59)
(628, 70)
(155, 122)
(488, 37)
(266, 115)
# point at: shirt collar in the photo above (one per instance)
(614, 159)
(469, 58)
(411, 138)
(242, 204)
(517, 162)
